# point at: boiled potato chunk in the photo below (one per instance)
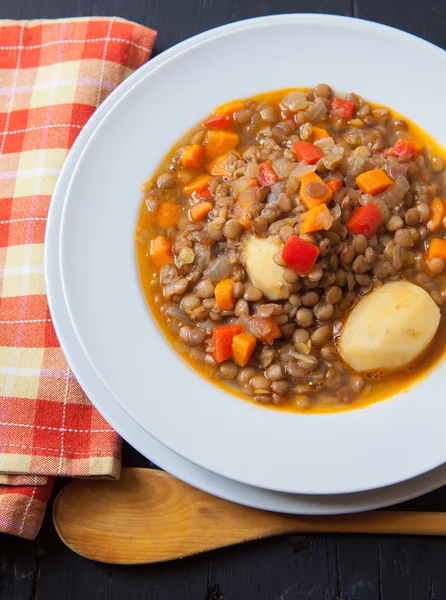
(263, 272)
(389, 328)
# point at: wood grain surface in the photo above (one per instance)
(311, 567)
(148, 516)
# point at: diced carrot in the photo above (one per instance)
(224, 294)
(243, 346)
(334, 184)
(192, 156)
(374, 182)
(316, 219)
(437, 248)
(222, 337)
(200, 210)
(229, 108)
(305, 189)
(218, 142)
(168, 214)
(438, 211)
(308, 152)
(161, 251)
(219, 167)
(268, 176)
(319, 133)
(198, 184)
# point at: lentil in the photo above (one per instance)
(304, 317)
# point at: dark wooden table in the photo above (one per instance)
(319, 567)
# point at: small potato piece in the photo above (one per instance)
(262, 271)
(389, 328)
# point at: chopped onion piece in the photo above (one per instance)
(336, 212)
(325, 219)
(266, 131)
(275, 227)
(294, 101)
(268, 114)
(276, 189)
(352, 165)
(178, 313)
(297, 174)
(317, 111)
(334, 158)
(326, 144)
(242, 184)
(220, 268)
(248, 196)
(202, 256)
(283, 167)
(354, 136)
(394, 195)
(252, 170)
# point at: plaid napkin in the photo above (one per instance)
(53, 74)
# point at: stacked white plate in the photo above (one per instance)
(309, 464)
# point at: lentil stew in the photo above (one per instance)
(267, 223)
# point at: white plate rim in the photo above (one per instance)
(253, 479)
(135, 435)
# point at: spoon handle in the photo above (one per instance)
(149, 516)
(376, 522)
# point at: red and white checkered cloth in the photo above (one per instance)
(53, 75)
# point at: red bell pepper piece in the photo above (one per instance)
(403, 149)
(222, 337)
(334, 184)
(268, 176)
(217, 122)
(366, 220)
(342, 108)
(308, 152)
(202, 195)
(299, 255)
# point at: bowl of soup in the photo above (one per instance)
(290, 248)
(253, 257)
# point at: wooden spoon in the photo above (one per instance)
(149, 516)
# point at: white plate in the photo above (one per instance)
(181, 468)
(314, 454)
